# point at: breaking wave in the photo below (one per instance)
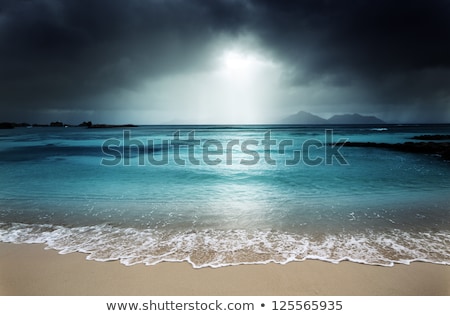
(218, 248)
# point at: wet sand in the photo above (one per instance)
(32, 270)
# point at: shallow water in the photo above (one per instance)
(233, 201)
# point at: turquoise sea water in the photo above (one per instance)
(99, 191)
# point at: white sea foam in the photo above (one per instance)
(379, 129)
(214, 248)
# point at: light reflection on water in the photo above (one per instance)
(54, 177)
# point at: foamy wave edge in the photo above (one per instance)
(214, 248)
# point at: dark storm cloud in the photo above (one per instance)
(56, 54)
(398, 51)
(371, 38)
(55, 51)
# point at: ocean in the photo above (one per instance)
(226, 195)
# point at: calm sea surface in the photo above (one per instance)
(225, 195)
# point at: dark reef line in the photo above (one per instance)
(432, 137)
(440, 149)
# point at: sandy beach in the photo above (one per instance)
(32, 270)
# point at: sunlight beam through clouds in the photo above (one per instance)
(240, 88)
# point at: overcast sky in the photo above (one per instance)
(229, 61)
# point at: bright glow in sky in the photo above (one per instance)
(239, 89)
(239, 62)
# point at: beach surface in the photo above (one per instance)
(31, 270)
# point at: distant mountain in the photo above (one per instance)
(354, 119)
(303, 117)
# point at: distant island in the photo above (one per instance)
(89, 124)
(307, 118)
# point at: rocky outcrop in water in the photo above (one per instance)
(441, 149)
(432, 137)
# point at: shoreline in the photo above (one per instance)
(29, 269)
